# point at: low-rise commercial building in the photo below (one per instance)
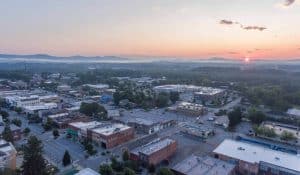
(111, 134)
(146, 122)
(61, 120)
(253, 158)
(7, 155)
(39, 107)
(155, 151)
(294, 113)
(107, 135)
(196, 165)
(208, 95)
(97, 87)
(78, 130)
(196, 130)
(191, 109)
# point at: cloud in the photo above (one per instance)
(254, 27)
(233, 53)
(226, 22)
(288, 2)
(285, 4)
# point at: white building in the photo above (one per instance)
(258, 159)
(21, 101)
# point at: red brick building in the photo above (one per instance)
(155, 151)
(111, 135)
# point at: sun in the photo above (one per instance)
(247, 59)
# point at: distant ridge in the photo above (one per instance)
(69, 58)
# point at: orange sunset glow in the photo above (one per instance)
(182, 29)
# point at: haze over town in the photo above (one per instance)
(150, 87)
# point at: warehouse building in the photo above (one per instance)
(155, 151)
(254, 159)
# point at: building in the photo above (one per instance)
(208, 95)
(22, 101)
(61, 120)
(196, 165)
(222, 121)
(64, 88)
(196, 130)
(87, 171)
(191, 109)
(111, 134)
(294, 113)
(155, 151)
(176, 88)
(50, 99)
(107, 135)
(34, 109)
(113, 113)
(145, 122)
(253, 159)
(97, 87)
(8, 155)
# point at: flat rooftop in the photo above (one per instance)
(145, 118)
(195, 165)
(153, 146)
(109, 129)
(293, 111)
(85, 125)
(254, 153)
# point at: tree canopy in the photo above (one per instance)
(33, 162)
(93, 109)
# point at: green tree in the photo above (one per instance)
(7, 134)
(128, 171)
(4, 114)
(18, 110)
(151, 169)
(48, 125)
(17, 122)
(105, 169)
(116, 165)
(162, 100)
(66, 159)
(174, 96)
(287, 136)
(256, 117)
(125, 155)
(55, 133)
(92, 109)
(165, 171)
(26, 131)
(234, 117)
(33, 161)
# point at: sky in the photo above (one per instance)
(191, 29)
